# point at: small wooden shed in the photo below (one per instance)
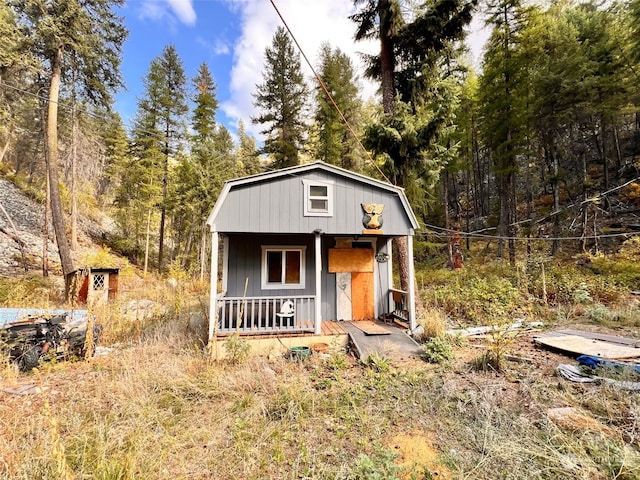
(97, 285)
(303, 245)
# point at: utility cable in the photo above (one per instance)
(94, 115)
(326, 91)
(447, 231)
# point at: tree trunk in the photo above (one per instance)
(513, 219)
(45, 233)
(447, 222)
(555, 245)
(57, 215)
(163, 207)
(5, 148)
(146, 244)
(387, 62)
(203, 254)
(503, 220)
(605, 163)
(74, 158)
(47, 202)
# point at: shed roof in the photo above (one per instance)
(308, 168)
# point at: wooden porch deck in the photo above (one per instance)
(333, 333)
(329, 328)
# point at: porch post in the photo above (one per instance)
(318, 302)
(213, 288)
(412, 284)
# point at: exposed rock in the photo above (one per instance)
(27, 216)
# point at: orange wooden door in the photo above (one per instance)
(362, 295)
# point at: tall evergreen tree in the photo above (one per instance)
(408, 50)
(282, 98)
(502, 92)
(200, 176)
(95, 34)
(247, 152)
(336, 144)
(16, 60)
(165, 105)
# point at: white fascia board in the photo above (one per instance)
(259, 177)
(216, 208)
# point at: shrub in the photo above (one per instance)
(438, 350)
(236, 348)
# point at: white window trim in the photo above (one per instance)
(283, 286)
(307, 198)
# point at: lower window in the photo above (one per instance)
(283, 267)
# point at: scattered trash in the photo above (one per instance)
(586, 343)
(575, 374)
(594, 362)
(473, 331)
(30, 389)
(319, 347)
(28, 335)
(299, 353)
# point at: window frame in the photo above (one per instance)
(283, 249)
(310, 212)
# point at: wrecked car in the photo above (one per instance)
(27, 336)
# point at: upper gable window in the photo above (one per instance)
(318, 198)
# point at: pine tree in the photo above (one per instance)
(95, 34)
(502, 91)
(165, 106)
(247, 152)
(336, 144)
(408, 50)
(282, 98)
(199, 177)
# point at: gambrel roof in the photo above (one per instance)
(273, 202)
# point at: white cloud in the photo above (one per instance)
(217, 47)
(182, 10)
(312, 22)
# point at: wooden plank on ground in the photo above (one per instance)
(587, 346)
(370, 328)
(632, 342)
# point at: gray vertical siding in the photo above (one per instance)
(245, 260)
(277, 205)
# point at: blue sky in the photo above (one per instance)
(231, 37)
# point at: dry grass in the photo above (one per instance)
(157, 407)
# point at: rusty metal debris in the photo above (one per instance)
(27, 336)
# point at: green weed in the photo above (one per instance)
(438, 350)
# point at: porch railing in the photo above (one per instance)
(254, 315)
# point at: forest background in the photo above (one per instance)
(541, 146)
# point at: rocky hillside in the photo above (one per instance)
(27, 216)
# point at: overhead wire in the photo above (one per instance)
(328, 94)
(62, 104)
(446, 232)
(450, 231)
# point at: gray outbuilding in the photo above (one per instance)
(303, 245)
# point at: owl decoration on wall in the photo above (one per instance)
(372, 218)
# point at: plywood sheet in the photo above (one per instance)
(350, 260)
(371, 328)
(631, 342)
(362, 296)
(586, 346)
